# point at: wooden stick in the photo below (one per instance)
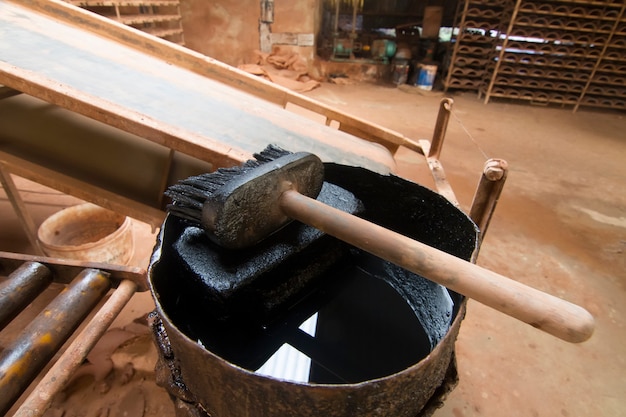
(541, 310)
(487, 194)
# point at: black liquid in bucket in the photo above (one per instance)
(368, 331)
(364, 330)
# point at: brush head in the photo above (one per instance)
(246, 209)
(189, 195)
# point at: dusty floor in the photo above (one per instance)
(560, 226)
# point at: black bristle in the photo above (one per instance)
(270, 153)
(189, 195)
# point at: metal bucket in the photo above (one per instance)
(205, 382)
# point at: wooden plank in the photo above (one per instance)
(353, 130)
(206, 66)
(135, 19)
(131, 90)
(439, 175)
(212, 151)
(82, 190)
(130, 3)
(82, 148)
(162, 33)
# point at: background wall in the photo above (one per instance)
(222, 29)
(297, 17)
(229, 31)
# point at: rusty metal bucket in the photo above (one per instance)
(204, 378)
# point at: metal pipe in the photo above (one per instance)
(21, 361)
(443, 116)
(59, 375)
(65, 270)
(21, 287)
(487, 194)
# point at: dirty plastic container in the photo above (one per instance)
(87, 232)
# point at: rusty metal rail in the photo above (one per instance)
(37, 344)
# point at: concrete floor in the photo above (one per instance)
(560, 227)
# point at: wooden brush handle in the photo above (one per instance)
(541, 310)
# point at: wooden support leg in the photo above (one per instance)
(441, 126)
(442, 185)
(487, 194)
(20, 209)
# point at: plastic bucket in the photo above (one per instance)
(88, 232)
(426, 77)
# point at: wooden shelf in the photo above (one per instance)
(163, 33)
(563, 12)
(138, 19)
(160, 18)
(124, 3)
(474, 45)
(561, 51)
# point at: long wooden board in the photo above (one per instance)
(206, 66)
(131, 90)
